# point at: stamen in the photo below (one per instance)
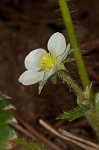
(47, 62)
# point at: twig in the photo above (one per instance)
(35, 132)
(52, 130)
(21, 129)
(68, 134)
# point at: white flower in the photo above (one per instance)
(41, 65)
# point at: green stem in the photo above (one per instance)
(27, 145)
(74, 86)
(74, 44)
(92, 117)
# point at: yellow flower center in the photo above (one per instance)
(47, 62)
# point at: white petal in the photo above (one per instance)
(30, 77)
(46, 77)
(32, 59)
(57, 44)
(64, 55)
(52, 71)
(67, 50)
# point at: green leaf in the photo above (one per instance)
(74, 114)
(66, 60)
(6, 132)
(54, 78)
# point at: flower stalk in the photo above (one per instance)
(74, 86)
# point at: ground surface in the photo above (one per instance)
(27, 25)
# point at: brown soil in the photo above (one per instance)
(27, 25)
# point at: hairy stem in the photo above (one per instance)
(74, 86)
(74, 44)
(94, 121)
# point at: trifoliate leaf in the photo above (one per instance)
(6, 132)
(54, 78)
(74, 114)
(66, 60)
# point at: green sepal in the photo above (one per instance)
(66, 60)
(54, 78)
(43, 82)
(74, 113)
(41, 85)
(6, 132)
(61, 67)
